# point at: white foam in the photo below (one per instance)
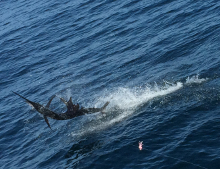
(126, 100)
(195, 79)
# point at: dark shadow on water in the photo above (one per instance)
(82, 149)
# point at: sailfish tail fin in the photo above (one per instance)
(103, 107)
(48, 104)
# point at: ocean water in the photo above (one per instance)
(157, 62)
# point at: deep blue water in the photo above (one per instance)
(157, 62)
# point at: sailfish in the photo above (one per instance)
(72, 109)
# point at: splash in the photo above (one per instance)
(129, 99)
(124, 102)
(195, 79)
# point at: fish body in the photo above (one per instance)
(72, 109)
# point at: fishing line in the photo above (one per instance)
(184, 161)
(174, 158)
(179, 160)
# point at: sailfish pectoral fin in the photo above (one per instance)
(46, 120)
(48, 104)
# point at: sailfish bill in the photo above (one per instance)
(41, 109)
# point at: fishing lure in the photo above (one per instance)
(140, 145)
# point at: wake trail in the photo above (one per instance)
(126, 101)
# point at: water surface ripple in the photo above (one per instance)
(157, 62)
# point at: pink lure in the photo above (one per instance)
(140, 145)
